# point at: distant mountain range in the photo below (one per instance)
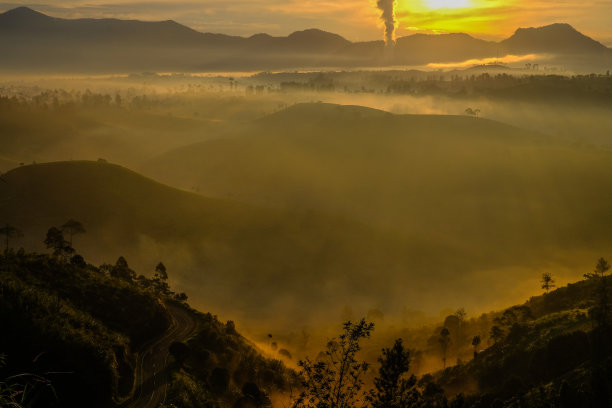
(31, 41)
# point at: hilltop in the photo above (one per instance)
(31, 40)
(487, 195)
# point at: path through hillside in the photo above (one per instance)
(152, 371)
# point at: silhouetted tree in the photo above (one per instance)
(72, 227)
(55, 240)
(600, 312)
(444, 340)
(78, 260)
(460, 314)
(160, 278)
(9, 233)
(121, 270)
(394, 388)
(547, 282)
(475, 344)
(515, 315)
(496, 334)
(335, 381)
(601, 268)
(472, 112)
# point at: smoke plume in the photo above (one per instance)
(388, 17)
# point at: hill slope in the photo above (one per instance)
(487, 195)
(82, 335)
(246, 261)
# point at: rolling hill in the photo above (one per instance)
(30, 40)
(488, 196)
(248, 262)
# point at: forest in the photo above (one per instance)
(73, 330)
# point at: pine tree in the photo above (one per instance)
(394, 388)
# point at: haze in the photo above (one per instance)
(296, 164)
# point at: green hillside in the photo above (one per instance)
(491, 201)
(240, 260)
(552, 351)
(62, 125)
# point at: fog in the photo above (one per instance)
(328, 195)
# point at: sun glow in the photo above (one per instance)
(481, 18)
(449, 4)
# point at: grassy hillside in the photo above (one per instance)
(487, 198)
(61, 125)
(240, 260)
(551, 351)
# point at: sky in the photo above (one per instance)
(356, 20)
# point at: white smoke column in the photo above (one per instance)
(388, 17)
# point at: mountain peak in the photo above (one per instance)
(21, 12)
(560, 38)
(558, 28)
(21, 16)
(316, 35)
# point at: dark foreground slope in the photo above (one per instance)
(552, 351)
(77, 335)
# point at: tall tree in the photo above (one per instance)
(475, 344)
(547, 282)
(73, 227)
(600, 312)
(335, 381)
(394, 388)
(9, 233)
(444, 340)
(122, 270)
(55, 240)
(601, 268)
(160, 272)
(160, 278)
(496, 334)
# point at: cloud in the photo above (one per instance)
(508, 59)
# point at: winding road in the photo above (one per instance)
(152, 371)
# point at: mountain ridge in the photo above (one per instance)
(30, 39)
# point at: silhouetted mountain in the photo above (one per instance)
(554, 38)
(30, 40)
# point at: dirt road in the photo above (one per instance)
(152, 371)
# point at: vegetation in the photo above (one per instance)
(335, 380)
(76, 330)
(553, 351)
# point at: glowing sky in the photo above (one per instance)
(357, 20)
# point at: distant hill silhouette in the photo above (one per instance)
(554, 38)
(32, 41)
